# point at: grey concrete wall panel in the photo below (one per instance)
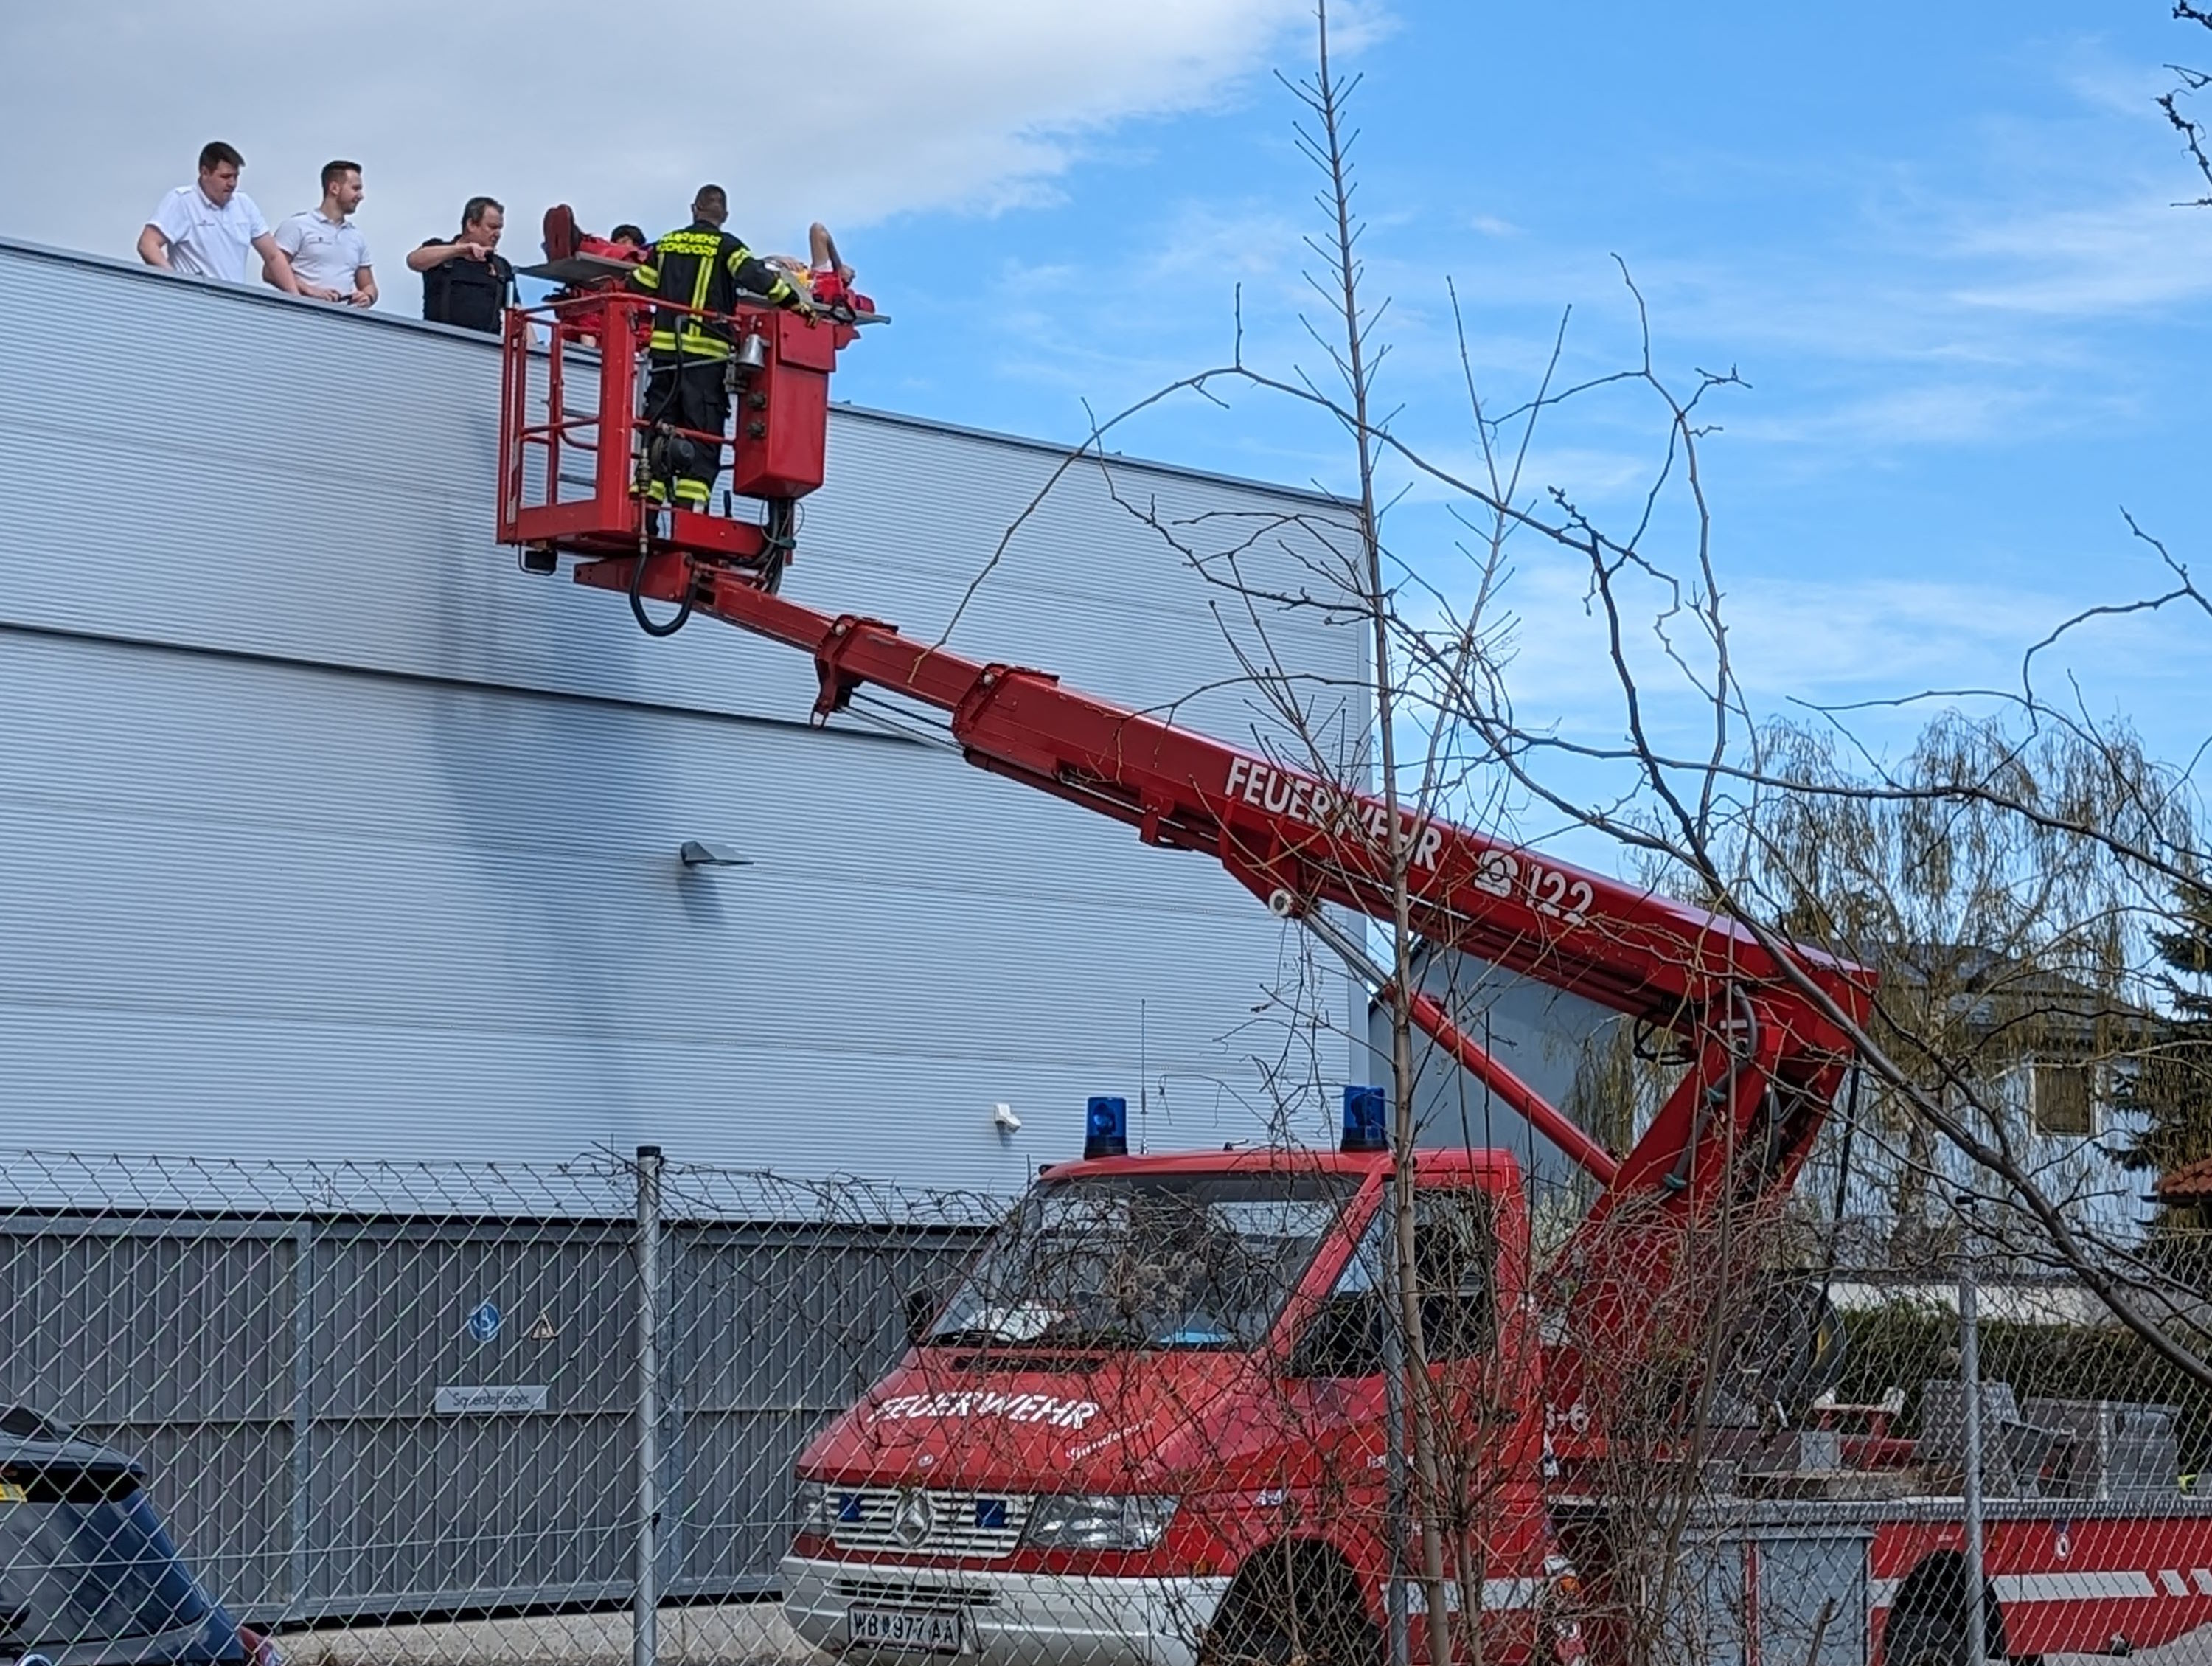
(773, 1334)
(334, 833)
(90, 1321)
(415, 1509)
(1758, 1593)
(1813, 1598)
(1556, 1043)
(289, 1422)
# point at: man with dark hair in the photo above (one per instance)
(206, 230)
(701, 267)
(466, 282)
(321, 246)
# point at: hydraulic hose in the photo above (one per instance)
(657, 416)
(1715, 1095)
(637, 601)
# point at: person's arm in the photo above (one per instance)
(278, 270)
(364, 287)
(169, 221)
(289, 239)
(822, 248)
(437, 255)
(757, 274)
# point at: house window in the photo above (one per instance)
(2062, 1103)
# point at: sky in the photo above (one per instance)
(1939, 245)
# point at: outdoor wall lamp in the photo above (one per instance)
(697, 852)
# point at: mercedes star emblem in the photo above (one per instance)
(913, 1519)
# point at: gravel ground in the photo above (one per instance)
(709, 1634)
(2193, 1650)
(733, 1634)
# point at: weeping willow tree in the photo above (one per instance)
(1987, 878)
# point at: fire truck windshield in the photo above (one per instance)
(1142, 1262)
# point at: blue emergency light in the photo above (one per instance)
(1106, 1126)
(1366, 1120)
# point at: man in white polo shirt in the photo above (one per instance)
(207, 229)
(324, 251)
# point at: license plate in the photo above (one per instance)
(910, 1630)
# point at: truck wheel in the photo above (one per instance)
(1923, 1639)
(1926, 1626)
(1292, 1607)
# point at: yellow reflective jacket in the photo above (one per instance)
(703, 266)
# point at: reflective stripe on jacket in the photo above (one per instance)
(703, 266)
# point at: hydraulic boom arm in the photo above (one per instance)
(1767, 1063)
(1764, 1062)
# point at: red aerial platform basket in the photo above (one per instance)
(577, 444)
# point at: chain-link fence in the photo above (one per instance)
(393, 1393)
(392, 1413)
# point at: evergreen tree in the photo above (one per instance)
(2171, 1085)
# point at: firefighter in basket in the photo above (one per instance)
(704, 268)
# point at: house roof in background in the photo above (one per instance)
(2190, 1183)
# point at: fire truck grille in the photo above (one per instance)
(927, 1521)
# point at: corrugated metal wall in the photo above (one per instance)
(328, 831)
(1558, 1044)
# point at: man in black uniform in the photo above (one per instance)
(466, 281)
(701, 267)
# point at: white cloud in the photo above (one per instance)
(852, 112)
(1828, 643)
(2085, 263)
(2118, 87)
(1592, 476)
(1946, 322)
(1825, 641)
(1206, 243)
(1913, 413)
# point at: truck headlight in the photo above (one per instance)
(810, 1506)
(1095, 1521)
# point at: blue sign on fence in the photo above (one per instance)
(484, 1322)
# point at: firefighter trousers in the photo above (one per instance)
(691, 395)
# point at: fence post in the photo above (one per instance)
(1970, 1369)
(645, 1638)
(303, 1414)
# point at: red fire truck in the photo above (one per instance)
(1151, 1428)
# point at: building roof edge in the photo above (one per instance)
(260, 295)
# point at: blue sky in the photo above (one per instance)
(1937, 243)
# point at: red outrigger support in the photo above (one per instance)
(1766, 1064)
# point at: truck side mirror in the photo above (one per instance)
(921, 1307)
